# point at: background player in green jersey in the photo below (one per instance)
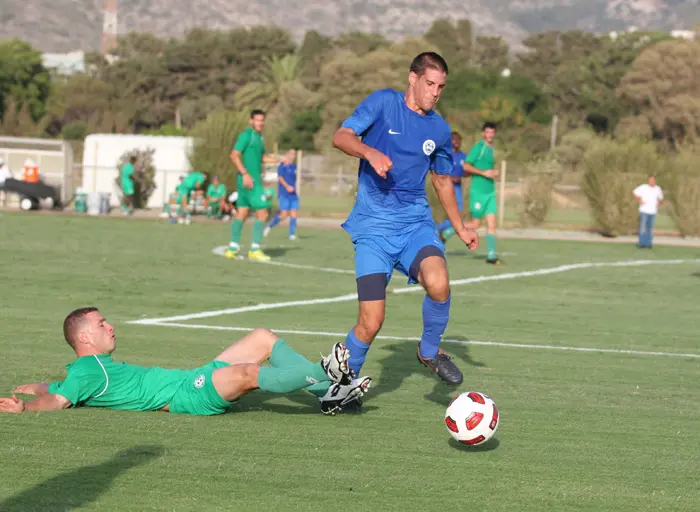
(127, 181)
(482, 190)
(215, 198)
(248, 155)
(192, 184)
(95, 380)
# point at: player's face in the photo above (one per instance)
(291, 156)
(258, 122)
(101, 332)
(427, 87)
(456, 142)
(489, 135)
(652, 181)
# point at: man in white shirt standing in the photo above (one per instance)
(649, 197)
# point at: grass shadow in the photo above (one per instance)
(488, 446)
(81, 486)
(304, 403)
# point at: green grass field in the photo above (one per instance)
(580, 430)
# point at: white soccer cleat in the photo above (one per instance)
(292, 237)
(336, 364)
(339, 395)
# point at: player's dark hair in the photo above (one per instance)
(456, 134)
(133, 159)
(73, 323)
(428, 60)
(256, 112)
(488, 124)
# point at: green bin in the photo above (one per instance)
(80, 201)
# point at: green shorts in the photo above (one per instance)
(482, 204)
(253, 198)
(182, 193)
(128, 188)
(198, 395)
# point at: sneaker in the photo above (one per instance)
(443, 366)
(292, 237)
(341, 397)
(231, 253)
(495, 261)
(336, 364)
(258, 255)
(266, 231)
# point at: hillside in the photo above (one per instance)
(65, 25)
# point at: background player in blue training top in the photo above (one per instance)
(458, 172)
(287, 196)
(391, 224)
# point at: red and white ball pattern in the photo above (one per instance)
(472, 418)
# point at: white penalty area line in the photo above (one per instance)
(341, 335)
(353, 296)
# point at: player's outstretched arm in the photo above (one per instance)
(446, 194)
(470, 169)
(36, 388)
(349, 143)
(47, 402)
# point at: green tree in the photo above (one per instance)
(454, 41)
(664, 85)
(491, 53)
(301, 130)
(23, 77)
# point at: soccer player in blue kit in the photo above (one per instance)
(391, 224)
(458, 172)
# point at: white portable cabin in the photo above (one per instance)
(101, 156)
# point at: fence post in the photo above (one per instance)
(502, 195)
(300, 166)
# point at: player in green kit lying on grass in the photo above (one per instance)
(95, 380)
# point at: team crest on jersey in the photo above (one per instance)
(428, 147)
(199, 381)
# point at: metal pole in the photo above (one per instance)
(502, 195)
(300, 165)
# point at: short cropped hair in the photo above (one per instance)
(456, 134)
(488, 124)
(256, 112)
(428, 60)
(73, 323)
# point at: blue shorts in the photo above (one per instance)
(460, 197)
(288, 203)
(382, 254)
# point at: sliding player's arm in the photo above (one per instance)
(46, 402)
(36, 388)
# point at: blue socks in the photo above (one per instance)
(292, 226)
(444, 225)
(435, 317)
(274, 222)
(358, 351)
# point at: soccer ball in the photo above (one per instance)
(472, 418)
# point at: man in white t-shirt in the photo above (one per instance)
(5, 171)
(649, 197)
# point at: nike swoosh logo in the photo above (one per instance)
(392, 132)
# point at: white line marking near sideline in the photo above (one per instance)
(416, 288)
(219, 251)
(341, 335)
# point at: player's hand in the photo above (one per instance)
(470, 238)
(247, 181)
(492, 174)
(290, 189)
(13, 405)
(26, 389)
(381, 163)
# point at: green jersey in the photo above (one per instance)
(127, 171)
(481, 156)
(251, 145)
(216, 191)
(98, 381)
(268, 196)
(192, 180)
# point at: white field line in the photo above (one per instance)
(219, 251)
(416, 288)
(341, 335)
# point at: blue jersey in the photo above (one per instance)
(289, 173)
(415, 144)
(458, 159)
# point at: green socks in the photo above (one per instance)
(236, 228)
(290, 378)
(491, 246)
(283, 357)
(258, 229)
(448, 233)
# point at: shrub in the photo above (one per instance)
(611, 171)
(144, 177)
(540, 178)
(681, 182)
